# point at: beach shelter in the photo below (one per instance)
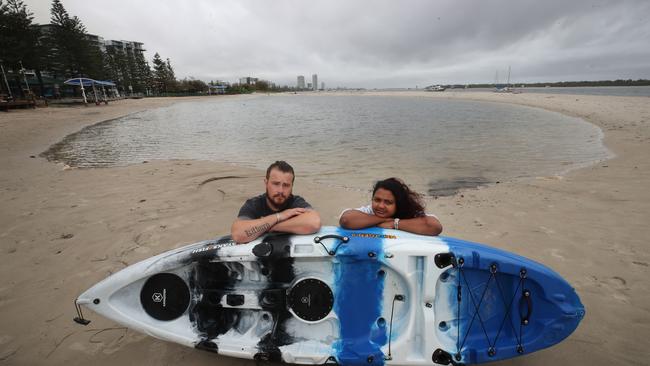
(218, 89)
(82, 82)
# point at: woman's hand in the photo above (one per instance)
(354, 219)
(424, 225)
(388, 224)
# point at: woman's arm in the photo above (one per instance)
(425, 225)
(355, 219)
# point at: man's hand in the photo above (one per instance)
(291, 212)
(298, 221)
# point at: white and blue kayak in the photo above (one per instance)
(349, 297)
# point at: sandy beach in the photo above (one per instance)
(64, 229)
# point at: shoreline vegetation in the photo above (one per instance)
(64, 229)
(572, 84)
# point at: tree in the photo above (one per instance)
(71, 53)
(163, 75)
(172, 84)
(18, 38)
(128, 68)
(139, 68)
(143, 77)
(116, 67)
(159, 74)
(192, 86)
(262, 85)
(239, 89)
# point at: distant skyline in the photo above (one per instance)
(380, 44)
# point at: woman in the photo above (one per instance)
(394, 206)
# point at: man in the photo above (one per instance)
(276, 210)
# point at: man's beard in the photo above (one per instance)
(277, 201)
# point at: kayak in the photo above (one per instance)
(350, 297)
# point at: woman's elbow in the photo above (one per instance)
(434, 227)
(345, 222)
(437, 230)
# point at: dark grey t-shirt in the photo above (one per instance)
(257, 207)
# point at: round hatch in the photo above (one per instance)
(165, 296)
(311, 299)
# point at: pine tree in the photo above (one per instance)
(172, 84)
(18, 38)
(133, 72)
(117, 67)
(110, 66)
(159, 73)
(72, 54)
(143, 73)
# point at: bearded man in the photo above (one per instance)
(277, 210)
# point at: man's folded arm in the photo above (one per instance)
(306, 223)
(246, 230)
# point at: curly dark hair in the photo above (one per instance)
(409, 203)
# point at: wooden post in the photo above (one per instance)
(83, 91)
(104, 92)
(95, 93)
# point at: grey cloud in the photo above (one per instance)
(383, 43)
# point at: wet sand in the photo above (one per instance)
(62, 230)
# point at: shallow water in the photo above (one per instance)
(436, 146)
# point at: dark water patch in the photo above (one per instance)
(449, 187)
(220, 178)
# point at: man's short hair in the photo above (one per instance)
(282, 166)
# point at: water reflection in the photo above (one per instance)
(348, 141)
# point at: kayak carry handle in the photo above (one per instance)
(79, 319)
(526, 298)
(343, 239)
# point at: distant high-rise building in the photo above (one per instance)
(247, 80)
(322, 86)
(309, 86)
(301, 82)
(128, 47)
(314, 81)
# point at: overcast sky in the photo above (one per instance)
(377, 43)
